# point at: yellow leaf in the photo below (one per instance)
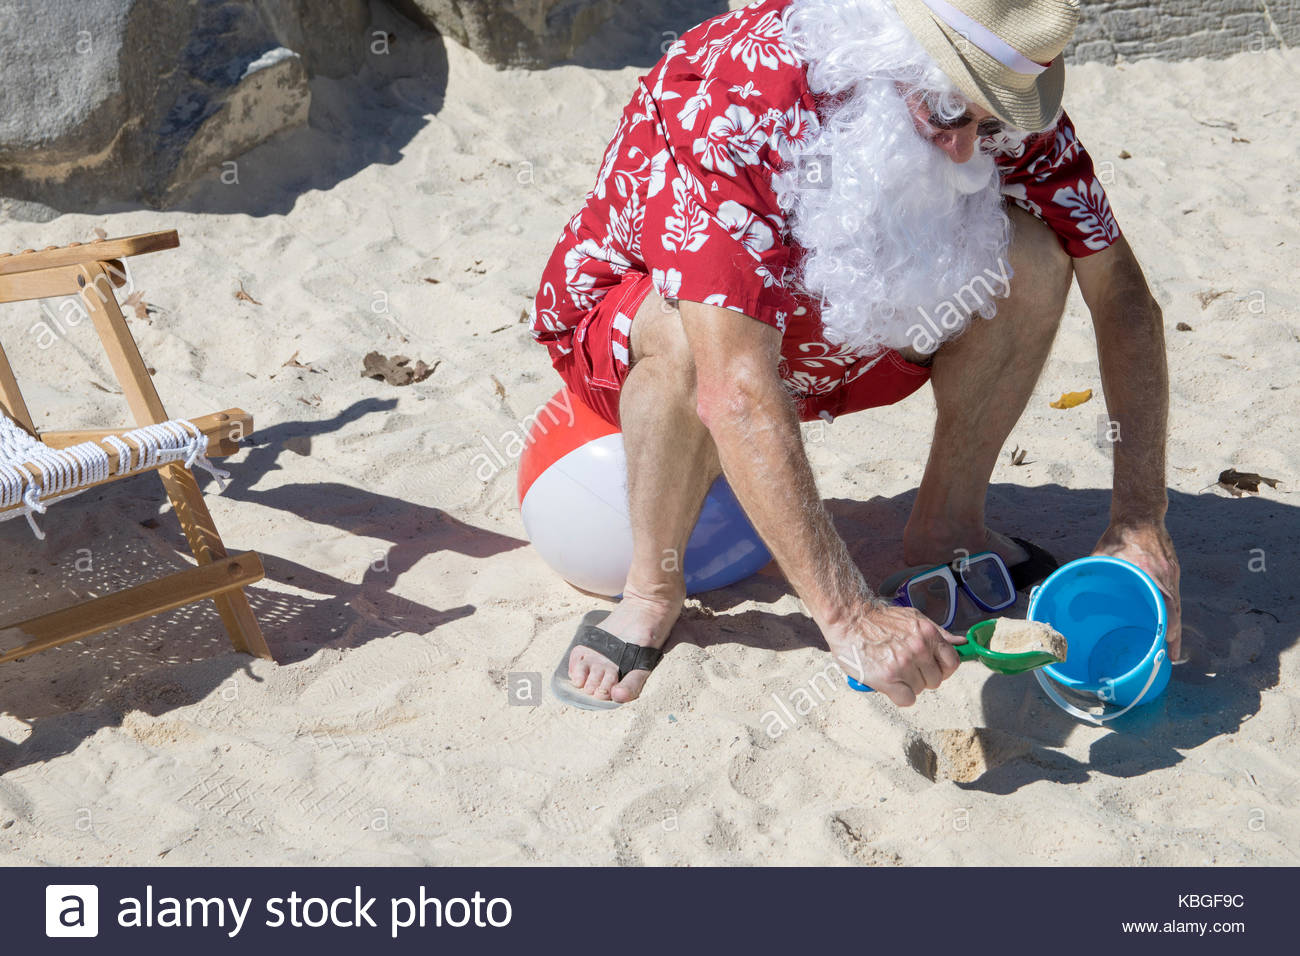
(1070, 399)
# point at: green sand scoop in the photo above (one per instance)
(976, 648)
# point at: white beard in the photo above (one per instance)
(904, 246)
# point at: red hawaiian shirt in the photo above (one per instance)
(684, 195)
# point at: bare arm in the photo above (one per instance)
(752, 419)
(1134, 374)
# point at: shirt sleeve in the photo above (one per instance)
(1053, 178)
(713, 228)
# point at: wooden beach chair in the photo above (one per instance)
(38, 467)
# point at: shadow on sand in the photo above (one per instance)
(112, 538)
(1236, 621)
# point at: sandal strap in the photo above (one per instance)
(627, 656)
(1034, 569)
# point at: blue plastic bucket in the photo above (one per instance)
(1113, 617)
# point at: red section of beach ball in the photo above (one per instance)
(562, 425)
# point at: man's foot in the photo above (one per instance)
(637, 621)
(944, 546)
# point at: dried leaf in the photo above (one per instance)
(431, 281)
(499, 329)
(1018, 456)
(294, 363)
(136, 301)
(1239, 483)
(100, 233)
(501, 389)
(1207, 297)
(523, 315)
(1183, 327)
(243, 296)
(1071, 399)
(397, 370)
(1125, 154)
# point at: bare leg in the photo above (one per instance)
(982, 382)
(671, 461)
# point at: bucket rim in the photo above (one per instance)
(1158, 642)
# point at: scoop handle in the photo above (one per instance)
(969, 651)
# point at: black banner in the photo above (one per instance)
(645, 910)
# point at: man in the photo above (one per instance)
(802, 214)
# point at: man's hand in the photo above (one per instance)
(897, 651)
(1150, 548)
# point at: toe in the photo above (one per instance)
(607, 685)
(579, 667)
(629, 688)
(598, 679)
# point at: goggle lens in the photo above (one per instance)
(987, 579)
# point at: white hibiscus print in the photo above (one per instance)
(752, 232)
(625, 226)
(658, 172)
(1087, 203)
(734, 137)
(695, 103)
(687, 229)
(582, 285)
(793, 130)
(611, 157)
(1065, 147)
(718, 298)
(1017, 193)
(763, 45)
(547, 318)
(667, 282)
(744, 92)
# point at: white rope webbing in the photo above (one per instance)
(31, 472)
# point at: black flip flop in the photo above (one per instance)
(628, 657)
(1024, 575)
(1034, 569)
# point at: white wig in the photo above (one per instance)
(900, 228)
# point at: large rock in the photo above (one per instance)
(528, 33)
(110, 100)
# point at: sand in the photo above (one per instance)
(1011, 636)
(402, 597)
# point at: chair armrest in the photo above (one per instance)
(98, 250)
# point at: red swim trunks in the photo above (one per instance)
(596, 365)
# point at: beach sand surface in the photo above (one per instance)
(401, 593)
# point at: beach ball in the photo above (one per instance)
(573, 500)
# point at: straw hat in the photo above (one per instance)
(1005, 55)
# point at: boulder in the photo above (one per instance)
(526, 33)
(104, 101)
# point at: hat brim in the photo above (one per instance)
(1031, 105)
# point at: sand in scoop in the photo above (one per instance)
(1021, 637)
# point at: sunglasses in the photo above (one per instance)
(987, 127)
(982, 577)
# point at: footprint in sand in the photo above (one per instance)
(963, 756)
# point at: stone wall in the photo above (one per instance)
(1113, 30)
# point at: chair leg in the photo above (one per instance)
(147, 408)
(201, 532)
